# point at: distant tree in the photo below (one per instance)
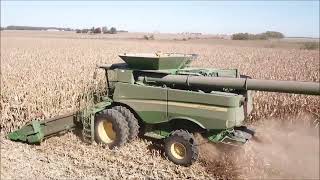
(124, 31)
(241, 36)
(36, 28)
(97, 30)
(84, 30)
(274, 34)
(261, 36)
(92, 29)
(104, 30)
(113, 30)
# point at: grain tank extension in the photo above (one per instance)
(159, 96)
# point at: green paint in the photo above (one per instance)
(31, 133)
(157, 105)
(36, 131)
(226, 137)
(158, 134)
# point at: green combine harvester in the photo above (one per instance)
(161, 97)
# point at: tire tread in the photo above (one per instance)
(120, 122)
(132, 121)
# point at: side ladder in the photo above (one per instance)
(88, 128)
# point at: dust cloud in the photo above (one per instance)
(282, 149)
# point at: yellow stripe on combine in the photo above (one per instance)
(179, 104)
(198, 106)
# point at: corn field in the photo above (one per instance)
(42, 77)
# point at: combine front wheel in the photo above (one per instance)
(180, 147)
(111, 128)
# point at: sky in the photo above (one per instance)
(293, 18)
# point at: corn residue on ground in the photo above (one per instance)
(45, 75)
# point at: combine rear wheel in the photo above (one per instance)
(132, 121)
(180, 147)
(111, 128)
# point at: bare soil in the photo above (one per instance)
(67, 157)
(279, 150)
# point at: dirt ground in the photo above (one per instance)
(67, 157)
(280, 150)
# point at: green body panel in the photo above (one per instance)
(212, 110)
(150, 103)
(219, 99)
(157, 105)
(97, 107)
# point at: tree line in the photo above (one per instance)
(94, 30)
(99, 30)
(34, 28)
(261, 36)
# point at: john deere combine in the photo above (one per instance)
(159, 96)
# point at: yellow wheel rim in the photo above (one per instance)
(178, 150)
(106, 132)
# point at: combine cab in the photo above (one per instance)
(160, 96)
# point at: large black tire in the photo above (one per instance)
(111, 128)
(181, 148)
(132, 121)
